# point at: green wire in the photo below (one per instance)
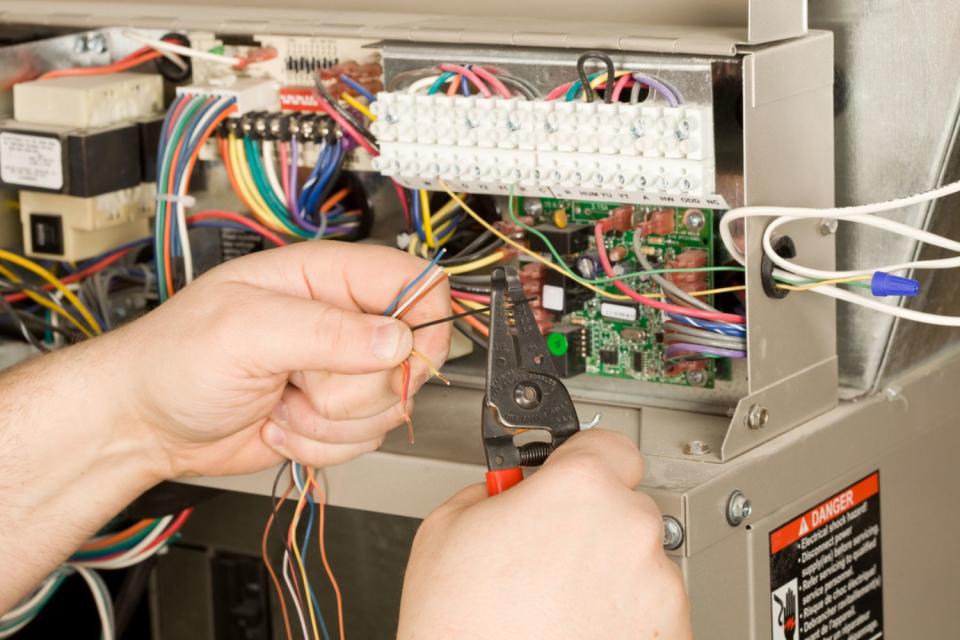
(558, 259)
(117, 547)
(263, 185)
(162, 181)
(32, 613)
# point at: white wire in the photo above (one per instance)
(429, 282)
(135, 554)
(269, 163)
(421, 84)
(101, 596)
(833, 213)
(39, 595)
(180, 211)
(293, 593)
(161, 45)
(8, 633)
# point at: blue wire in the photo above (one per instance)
(356, 86)
(313, 202)
(717, 327)
(305, 546)
(393, 305)
(464, 86)
(415, 208)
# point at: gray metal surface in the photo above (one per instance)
(899, 98)
(690, 26)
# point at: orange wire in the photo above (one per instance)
(270, 570)
(470, 320)
(106, 541)
(120, 65)
(323, 551)
(405, 395)
(189, 174)
(454, 86)
(334, 200)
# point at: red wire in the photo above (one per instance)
(121, 65)
(79, 275)
(656, 304)
(239, 219)
(175, 526)
(402, 196)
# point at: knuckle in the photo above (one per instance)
(332, 327)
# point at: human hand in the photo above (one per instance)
(283, 353)
(571, 552)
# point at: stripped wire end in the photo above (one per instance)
(404, 397)
(430, 367)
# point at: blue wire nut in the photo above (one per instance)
(883, 284)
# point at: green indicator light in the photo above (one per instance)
(557, 344)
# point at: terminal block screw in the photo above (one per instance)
(758, 417)
(696, 448)
(739, 508)
(672, 533)
(828, 226)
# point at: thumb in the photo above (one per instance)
(298, 334)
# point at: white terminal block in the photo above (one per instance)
(252, 94)
(88, 101)
(577, 150)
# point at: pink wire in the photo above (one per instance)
(474, 297)
(285, 170)
(346, 126)
(471, 76)
(619, 87)
(559, 91)
(494, 82)
(656, 304)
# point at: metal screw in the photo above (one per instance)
(696, 377)
(694, 220)
(696, 448)
(757, 417)
(739, 508)
(828, 226)
(97, 43)
(672, 533)
(526, 396)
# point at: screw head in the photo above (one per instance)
(672, 533)
(527, 396)
(828, 226)
(696, 377)
(696, 448)
(739, 508)
(694, 220)
(758, 417)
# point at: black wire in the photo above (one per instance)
(529, 91)
(469, 288)
(335, 105)
(276, 485)
(457, 316)
(21, 324)
(468, 331)
(585, 80)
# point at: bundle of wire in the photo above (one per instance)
(824, 281)
(275, 197)
(296, 553)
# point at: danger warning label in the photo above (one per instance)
(825, 573)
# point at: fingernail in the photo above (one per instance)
(275, 437)
(388, 339)
(279, 413)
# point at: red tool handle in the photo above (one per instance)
(502, 479)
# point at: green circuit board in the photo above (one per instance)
(625, 340)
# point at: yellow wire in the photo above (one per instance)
(470, 303)
(33, 267)
(430, 367)
(238, 158)
(822, 283)
(359, 106)
(46, 303)
(292, 537)
(519, 247)
(596, 82)
(427, 221)
(466, 267)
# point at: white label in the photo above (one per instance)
(618, 312)
(552, 297)
(31, 161)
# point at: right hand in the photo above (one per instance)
(572, 552)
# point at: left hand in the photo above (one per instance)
(284, 353)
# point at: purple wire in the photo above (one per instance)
(678, 348)
(659, 86)
(292, 177)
